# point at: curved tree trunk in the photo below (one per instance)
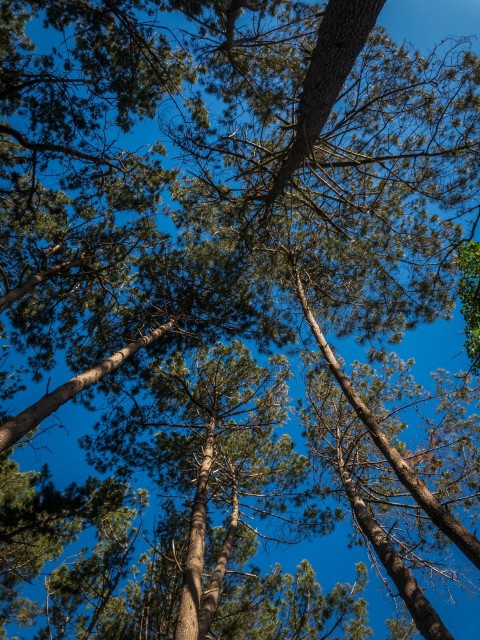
(211, 596)
(441, 517)
(342, 34)
(19, 292)
(15, 428)
(187, 625)
(423, 614)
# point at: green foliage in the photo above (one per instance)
(249, 403)
(253, 606)
(444, 459)
(469, 264)
(38, 521)
(280, 604)
(79, 591)
(401, 629)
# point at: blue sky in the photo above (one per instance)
(423, 23)
(427, 22)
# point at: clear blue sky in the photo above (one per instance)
(427, 22)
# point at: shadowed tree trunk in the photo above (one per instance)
(19, 292)
(231, 15)
(15, 428)
(423, 614)
(440, 516)
(187, 626)
(211, 596)
(341, 36)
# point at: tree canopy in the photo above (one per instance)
(205, 208)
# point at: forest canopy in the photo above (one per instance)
(206, 209)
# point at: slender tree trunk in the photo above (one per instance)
(423, 614)
(440, 516)
(17, 293)
(15, 428)
(211, 597)
(342, 34)
(187, 625)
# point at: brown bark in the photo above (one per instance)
(440, 516)
(19, 292)
(423, 614)
(15, 428)
(211, 596)
(187, 624)
(231, 15)
(342, 33)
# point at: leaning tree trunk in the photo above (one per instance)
(15, 428)
(187, 624)
(19, 292)
(425, 617)
(211, 596)
(441, 517)
(342, 34)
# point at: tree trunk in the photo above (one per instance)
(423, 614)
(15, 428)
(440, 516)
(211, 597)
(342, 34)
(187, 625)
(17, 293)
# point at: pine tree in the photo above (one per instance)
(288, 182)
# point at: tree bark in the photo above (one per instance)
(19, 292)
(15, 428)
(342, 34)
(187, 624)
(423, 614)
(440, 516)
(211, 597)
(231, 15)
